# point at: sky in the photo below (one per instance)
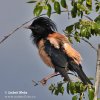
(19, 59)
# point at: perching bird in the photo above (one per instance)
(56, 51)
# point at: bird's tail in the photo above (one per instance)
(63, 73)
(81, 74)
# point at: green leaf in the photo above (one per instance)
(52, 88)
(89, 4)
(48, 10)
(90, 93)
(38, 10)
(79, 13)
(83, 31)
(93, 26)
(77, 86)
(70, 39)
(72, 88)
(96, 28)
(97, 19)
(60, 87)
(82, 8)
(62, 90)
(56, 92)
(88, 32)
(32, 1)
(77, 25)
(72, 2)
(76, 36)
(74, 97)
(74, 10)
(97, 8)
(69, 29)
(46, 1)
(80, 1)
(53, 0)
(57, 7)
(73, 13)
(82, 87)
(63, 3)
(98, 99)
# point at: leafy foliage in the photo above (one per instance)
(77, 89)
(56, 89)
(46, 5)
(84, 28)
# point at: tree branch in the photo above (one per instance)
(12, 32)
(88, 17)
(89, 44)
(39, 82)
(97, 81)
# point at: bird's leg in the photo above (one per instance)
(45, 79)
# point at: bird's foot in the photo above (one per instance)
(43, 81)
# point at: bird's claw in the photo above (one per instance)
(43, 81)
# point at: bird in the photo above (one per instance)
(56, 51)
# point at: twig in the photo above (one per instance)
(88, 17)
(89, 43)
(5, 37)
(39, 82)
(81, 96)
(35, 83)
(12, 32)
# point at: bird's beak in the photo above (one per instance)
(27, 27)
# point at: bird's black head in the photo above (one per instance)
(41, 27)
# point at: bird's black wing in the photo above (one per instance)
(58, 58)
(62, 62)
